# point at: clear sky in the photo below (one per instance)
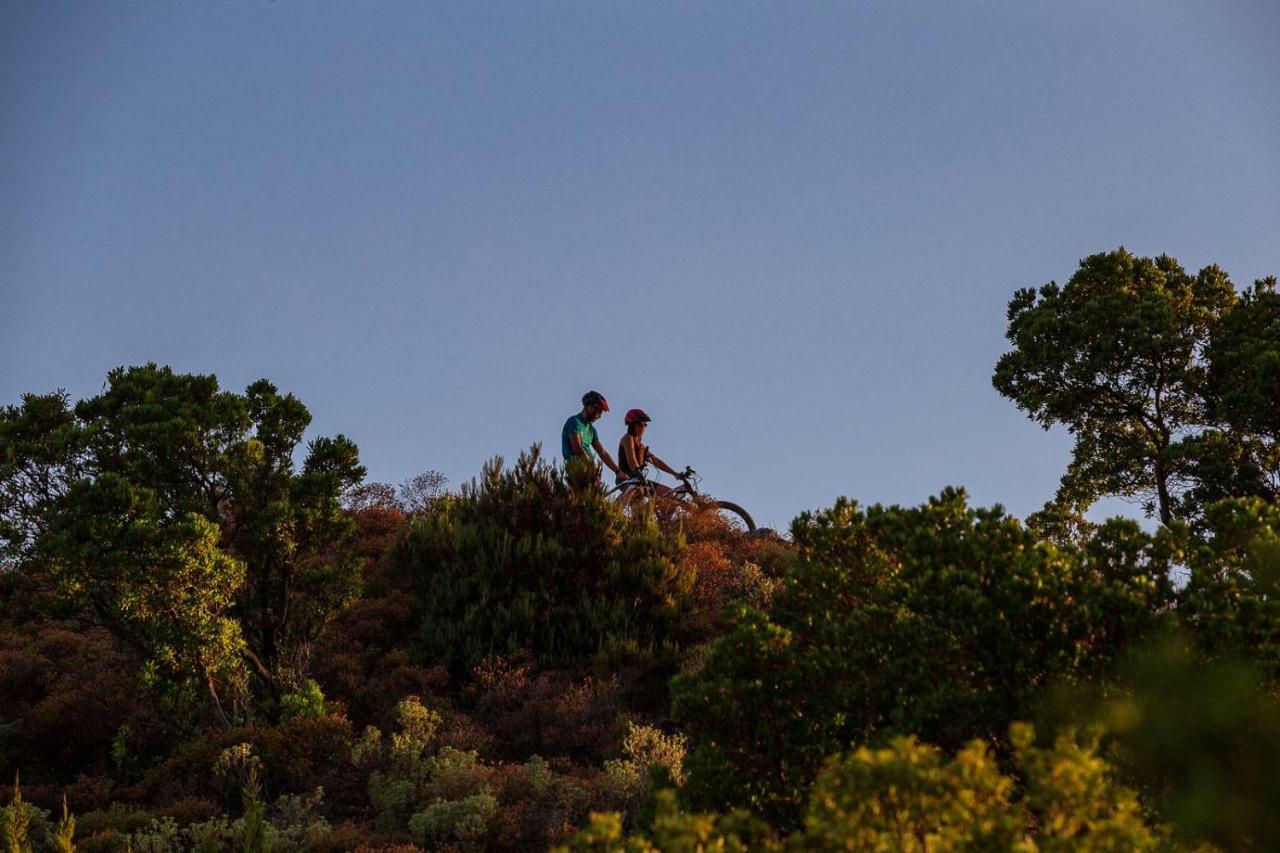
(787, 230)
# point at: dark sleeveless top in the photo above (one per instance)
(622, 460)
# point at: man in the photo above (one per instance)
(579, 440)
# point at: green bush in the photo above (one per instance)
(462, 822)
(1201, 736)
(23, 826)
(306, 701)
(909, 796)
(1231, 602)
(535, 558)
(941, 621)
(676, 831)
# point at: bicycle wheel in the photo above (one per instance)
(666, 510)
(634, 502)
(731, 515)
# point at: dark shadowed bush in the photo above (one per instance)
(532, 558)
(942, 621)
(70, 702)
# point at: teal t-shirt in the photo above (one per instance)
(586, 432)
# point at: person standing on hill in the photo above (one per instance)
(579, 440)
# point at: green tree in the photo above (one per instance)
(941, 621)
(1230, 604)
(164, 484)
(162, 585)
(1241, 457)
(1116, 356)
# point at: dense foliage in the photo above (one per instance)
(208, 645)
(941, 621)
(170, 512)
(537, 559)
(1165, 379)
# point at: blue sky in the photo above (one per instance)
(789, 231)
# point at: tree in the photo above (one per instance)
(1116, 356)
(1241, 457)
(164, 489)
(941, 621)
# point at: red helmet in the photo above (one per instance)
(636, 416)
(595, 398)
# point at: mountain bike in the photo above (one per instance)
(639, 494)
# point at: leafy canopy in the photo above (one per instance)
(171, 512)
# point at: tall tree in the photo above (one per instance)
(1241, 458)
(167, 470)
(1116, 355)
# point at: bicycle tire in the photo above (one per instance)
(665, 509)
(632, 502)
(732, 515)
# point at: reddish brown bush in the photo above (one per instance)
(298, 755)
(550, 713)
(105, 841)
(361, 659)
(190, 810)
(72, 692)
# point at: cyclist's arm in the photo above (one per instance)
(605, 457)
(575, 443)
(662, 466)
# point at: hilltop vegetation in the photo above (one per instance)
(212, 637)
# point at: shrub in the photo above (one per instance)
(47, 728)
(1201, 736)
(549, 713)
(107, 841)
(533, 558)
(463, 822)
(161, 836)
(211, 836)
(942, 621)
(907, 797)
(300, 754)
(645, 749)
(23, 827)
(675, 830)
(307, 701)
(120, 818)
(62, 837)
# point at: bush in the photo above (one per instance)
(48, 729)
(1202, 737)
(644, 750)
(906, 797)
(550, 713)
(463, 822)
(534, 558)
(942, 621)
(307, 701)
(23, 827)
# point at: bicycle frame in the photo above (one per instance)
(688, 488)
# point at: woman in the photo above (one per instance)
(634, 454)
